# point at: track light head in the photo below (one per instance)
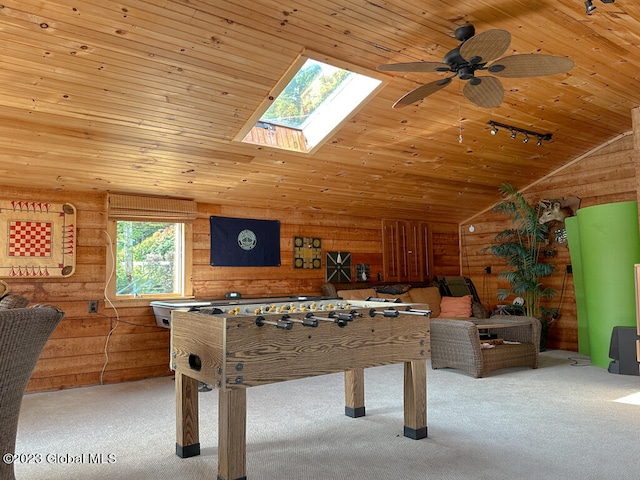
(589, 7)
(494, 130)
(539, 141)
(525, 139)
(513, 134)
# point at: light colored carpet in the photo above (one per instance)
(561, 421)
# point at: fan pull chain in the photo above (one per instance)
(460, 117)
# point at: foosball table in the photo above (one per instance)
(234, 347)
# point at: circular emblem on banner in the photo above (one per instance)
(247, 240)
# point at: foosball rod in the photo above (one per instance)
(285, 324)
(413, 311)
(342, 319)
(389, 312)
(345, 316)
(307, 322)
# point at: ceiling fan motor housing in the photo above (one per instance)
(454, 59)
(466, 73)
(465, 32)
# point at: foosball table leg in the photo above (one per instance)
(232, 434)
(415, 399)
(187, 428)
(354, 393)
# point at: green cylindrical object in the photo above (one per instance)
(573, 240)
(610, 247)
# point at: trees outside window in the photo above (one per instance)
(149, 258)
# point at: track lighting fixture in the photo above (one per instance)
(515, 130)
(590, 7)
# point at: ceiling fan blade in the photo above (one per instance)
(485, 46)
(421, 92)
(415, 67)
(486, 92)
(530, 65)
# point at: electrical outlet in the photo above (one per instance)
(569, 269)
(487, 270)
(93, 306)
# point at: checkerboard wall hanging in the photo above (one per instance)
(37, 239)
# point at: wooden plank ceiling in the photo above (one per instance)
(147, 95)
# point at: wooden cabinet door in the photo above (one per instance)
(413, 254)
(405, 251)
(390, 251)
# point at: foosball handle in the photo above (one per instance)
(282, 323)
(347, 317)
(342, 319)
(309, 322)
(341, 323)
(285, 324)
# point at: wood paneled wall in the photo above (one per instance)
(75, 355)
(606, 175)
(136, 348)
(362, 236)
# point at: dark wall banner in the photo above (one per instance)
(244, 242)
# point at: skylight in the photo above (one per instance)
(312, 104)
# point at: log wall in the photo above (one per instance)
(606, 175)
(136, 348)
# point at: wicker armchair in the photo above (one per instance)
(23, 334)
(456, 344)
(13, 301)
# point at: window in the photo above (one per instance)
(149, 258)
(151, 246)
(308, 104)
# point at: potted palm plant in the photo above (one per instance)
(520, 247)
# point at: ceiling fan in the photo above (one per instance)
(473, 55)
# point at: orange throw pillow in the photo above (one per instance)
(456, 306)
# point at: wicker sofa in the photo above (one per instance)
(456, 323)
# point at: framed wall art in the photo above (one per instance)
(307, 252)
(339, 267)
(37, 239)
(363, 272)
